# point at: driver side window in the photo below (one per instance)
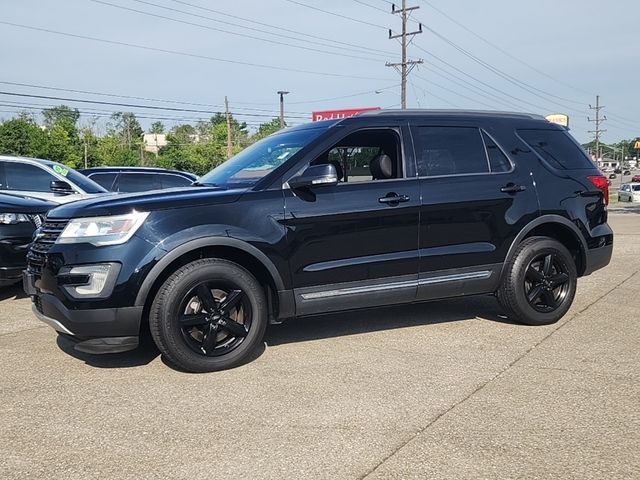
(365, 155)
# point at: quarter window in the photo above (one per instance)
(449, 151)
(498, 161)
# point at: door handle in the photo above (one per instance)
(393, 199)
(513, 188)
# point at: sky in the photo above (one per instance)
(543, 56)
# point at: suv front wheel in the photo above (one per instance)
(539, 282)
(209, 315)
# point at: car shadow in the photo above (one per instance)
(320, 327)
(143, 355)
(386, 318)
(12, 292)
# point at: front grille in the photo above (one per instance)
(45, 237)
(37, 301)
(36, 219)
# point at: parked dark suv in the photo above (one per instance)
(384, 208)
(138, 179)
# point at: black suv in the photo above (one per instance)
(383, 208)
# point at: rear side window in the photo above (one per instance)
(104, 179)
(137, 182)
(449, 151)
(557, 148)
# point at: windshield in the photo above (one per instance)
(85, 183)
(260, 159)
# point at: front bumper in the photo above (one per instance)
(107, 330)
(13, 259)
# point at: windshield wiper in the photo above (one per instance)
(205, 184)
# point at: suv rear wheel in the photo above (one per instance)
(210, 314)
(539, 282)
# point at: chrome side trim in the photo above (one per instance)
(480, 275)
(456, 277)
(55, 324)
(357, 290)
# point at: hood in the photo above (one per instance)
(146, 201)
(20, 204)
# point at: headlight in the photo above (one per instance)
(13, 218)
(100, 231)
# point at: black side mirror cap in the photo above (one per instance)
(61, 187)
(315, 176)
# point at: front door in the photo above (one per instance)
(355, 244)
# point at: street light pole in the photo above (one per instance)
(282, 93)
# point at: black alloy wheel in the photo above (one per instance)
(210, 314)
(216, 318)
(546, 283)
(539, 282)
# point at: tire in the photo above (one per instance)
(200, 332)
(527, 276)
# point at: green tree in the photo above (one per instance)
(63, 116)
(266, 129)
(22, 137)
(157, 127)
(125, 126)
(61, 148)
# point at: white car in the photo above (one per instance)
(35, 177)
(629, 192)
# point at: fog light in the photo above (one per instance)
(98, 276)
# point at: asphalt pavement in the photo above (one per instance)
(448, 389)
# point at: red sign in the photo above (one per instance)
(339, 114)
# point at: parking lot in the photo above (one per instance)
(448, 389)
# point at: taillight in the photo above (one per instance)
(602, 184)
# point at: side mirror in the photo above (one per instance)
(61, 187)
(315, 176)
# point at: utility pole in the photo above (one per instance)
(282, 93)
(405, 66)
(228, 116)
(598, 121)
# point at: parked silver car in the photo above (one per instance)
(35, 177)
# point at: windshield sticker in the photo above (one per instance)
(60, 170)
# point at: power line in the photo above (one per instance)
(511, 79)
(192, 55)
(229, 32)
(280, 28)
(336, 14)
(129, 105)
(133, 97)
(500, 49)
(372, 6)
(454, 92)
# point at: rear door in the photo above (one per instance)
(474, 201)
